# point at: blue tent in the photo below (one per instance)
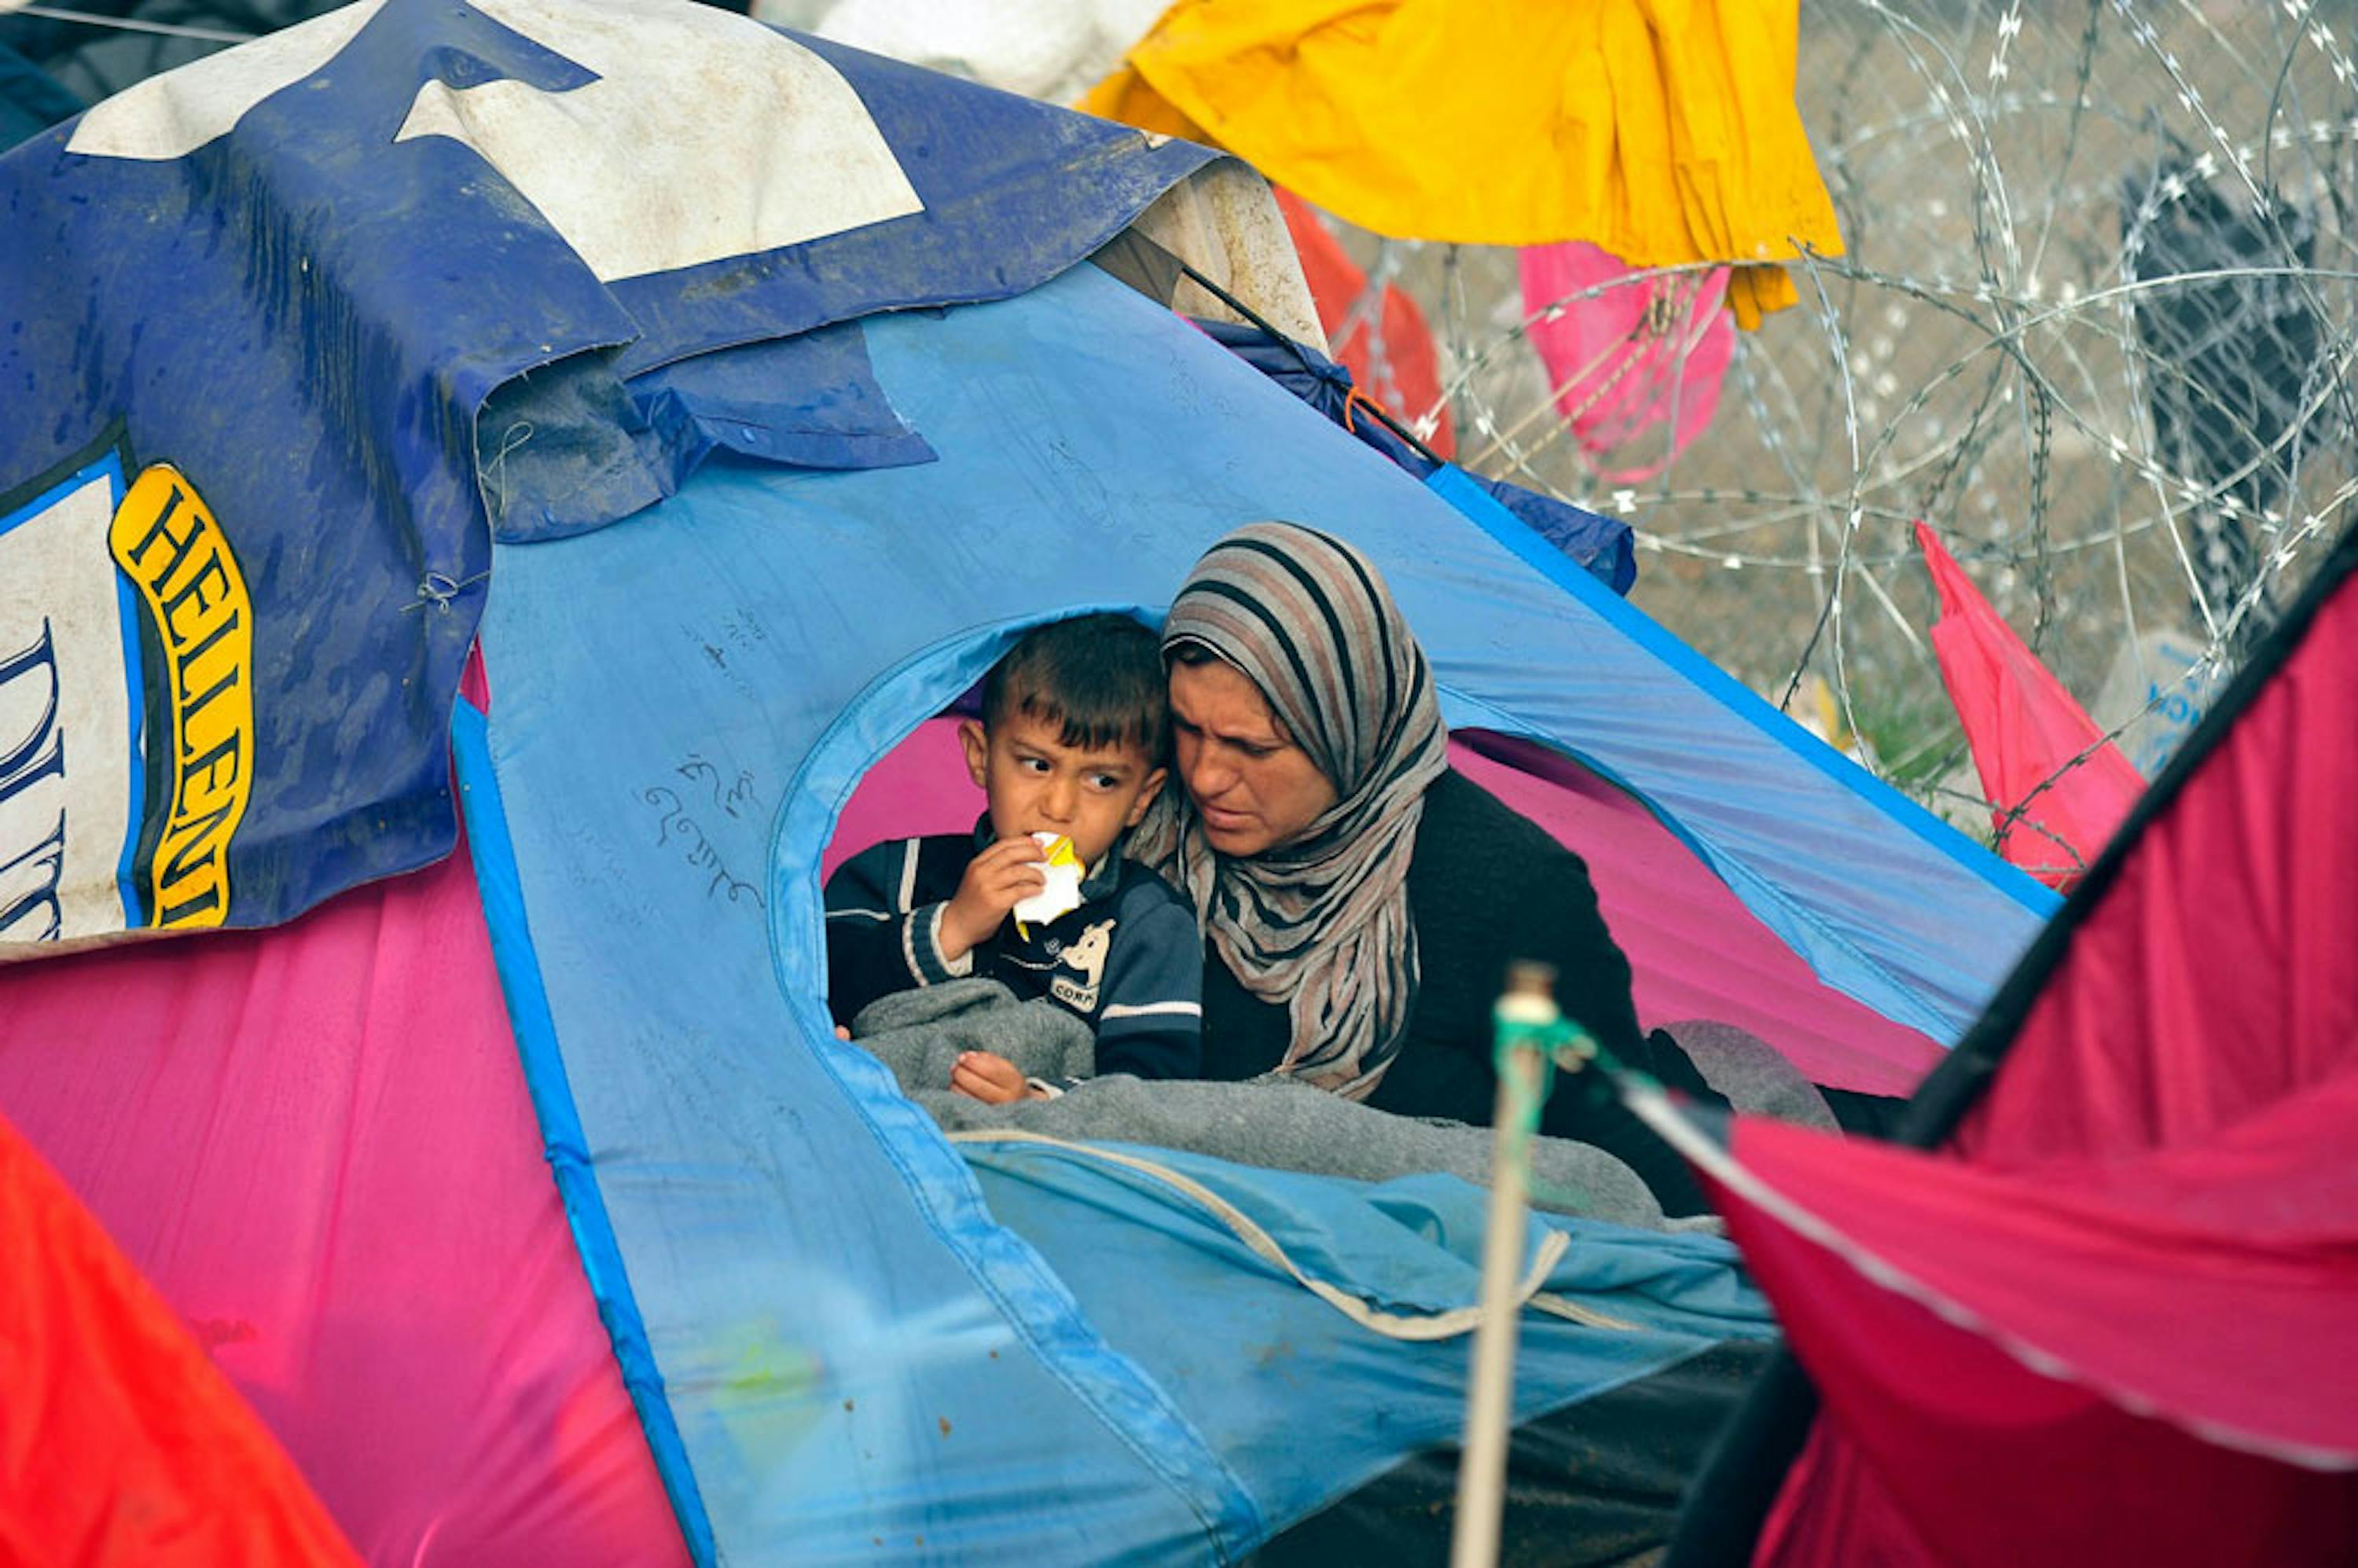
(725, 525)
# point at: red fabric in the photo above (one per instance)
(1696, 951)
(2156, 1191)
(2026, 731)
(2215, 1284)
(1408, 382)
(315, 1142)
(2144, 1275)
(1836, 1511)
(120, 1444)
(475, 681)
(1638, 361)
(2220, 970)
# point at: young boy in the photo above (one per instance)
(1075, 727)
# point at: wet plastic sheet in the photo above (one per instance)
(298, 285)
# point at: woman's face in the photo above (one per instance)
(1253, 785)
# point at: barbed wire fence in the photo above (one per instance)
(2094, 324)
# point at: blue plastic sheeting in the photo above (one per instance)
(572, 448)
(852, 1348)
(1603, 546)
(811, 401)
(1140, 1254)
(270, 278)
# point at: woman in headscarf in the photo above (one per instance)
(1360, 899)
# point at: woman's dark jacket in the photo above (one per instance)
(1485, 887)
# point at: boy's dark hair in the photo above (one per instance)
(1098, 675)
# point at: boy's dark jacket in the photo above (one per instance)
(1128, 962)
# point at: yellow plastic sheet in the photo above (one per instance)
(1663, 131)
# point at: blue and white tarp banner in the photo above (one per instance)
(285, 335)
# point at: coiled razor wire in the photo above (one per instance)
(2094, 325)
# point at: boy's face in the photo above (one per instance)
(1036, 784)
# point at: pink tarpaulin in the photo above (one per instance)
(2142, 1359)
(1697, 952)
(2035, 748)
(1635, 368)
(2220, 970)
(315, 1142)
(2110, 1321)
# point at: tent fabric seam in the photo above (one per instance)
(913, 1128)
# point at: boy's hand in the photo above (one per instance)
(996, 881)
(990, 1078)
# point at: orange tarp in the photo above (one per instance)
(120, 1442)
(1663, 131)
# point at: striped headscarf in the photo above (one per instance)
(1321, 923)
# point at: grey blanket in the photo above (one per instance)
(1269, 1122)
